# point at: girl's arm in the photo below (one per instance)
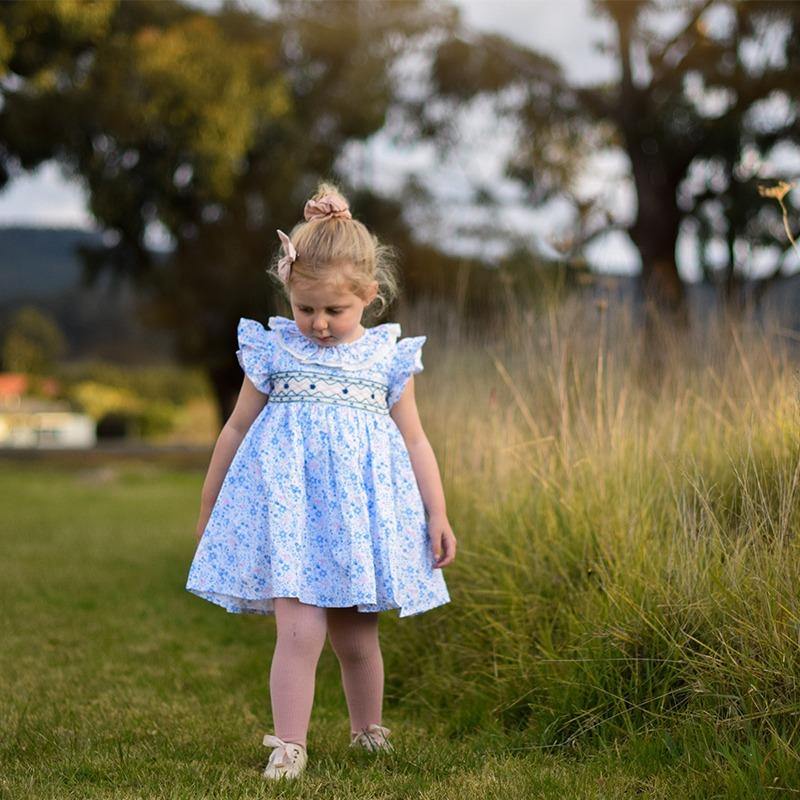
(426, 470)
(247, 408)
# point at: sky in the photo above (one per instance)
(563, 29)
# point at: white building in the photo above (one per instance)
(30, 422)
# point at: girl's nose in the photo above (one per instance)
(320, 324)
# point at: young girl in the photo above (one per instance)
(323, 502)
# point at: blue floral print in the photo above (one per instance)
(320, 501)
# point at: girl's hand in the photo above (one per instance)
(442, 540)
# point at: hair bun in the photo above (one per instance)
(329, 206)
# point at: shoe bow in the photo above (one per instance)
(373, 737)
(282, 756)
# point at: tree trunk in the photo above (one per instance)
(657, 173)
(655, 234)
(225, 382)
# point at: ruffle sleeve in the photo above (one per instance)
(256, 353)
(407, 361)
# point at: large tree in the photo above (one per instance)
(210, 128)
(706, 91)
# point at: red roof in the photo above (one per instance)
(15, 384)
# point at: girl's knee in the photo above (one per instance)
(354, 643)
(301, 638)
(300, 626)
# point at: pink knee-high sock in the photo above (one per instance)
(354, 638)
(301, 637)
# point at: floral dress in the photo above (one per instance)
(320, 501)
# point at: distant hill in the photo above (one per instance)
(39, 266)
(40, 262)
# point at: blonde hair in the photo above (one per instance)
(340, 251)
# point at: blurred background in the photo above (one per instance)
(637, 153)
(596, 210)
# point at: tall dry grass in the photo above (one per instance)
(628, 558)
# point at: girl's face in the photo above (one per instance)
(327, 315)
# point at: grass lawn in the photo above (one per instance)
(118, 683)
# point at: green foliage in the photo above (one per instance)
(186, 85)
(172, 384)
(40, 38)
(144, 401)
(212, 125)
(32, 342)
(5, 50)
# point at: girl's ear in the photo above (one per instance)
(372, 292)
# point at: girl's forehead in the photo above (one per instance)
(321, 295)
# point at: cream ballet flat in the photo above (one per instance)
(287, 760)
(372, 738)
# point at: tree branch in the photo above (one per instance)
(662, 67)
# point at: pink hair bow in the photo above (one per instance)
(328, 206)
(288, 258)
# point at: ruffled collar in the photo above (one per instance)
(372, 345)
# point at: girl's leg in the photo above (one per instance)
(354, 638)
(301, 637)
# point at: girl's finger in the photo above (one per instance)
(436, 547)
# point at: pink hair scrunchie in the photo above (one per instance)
(327, 207)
